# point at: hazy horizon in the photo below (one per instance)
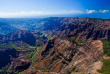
(54, 8)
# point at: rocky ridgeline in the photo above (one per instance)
(85, 28)
(22, 35)
(59, 54)
(13, 61)
(65, 57)
(68, 57)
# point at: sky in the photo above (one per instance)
(55, 8)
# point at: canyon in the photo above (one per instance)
(55, 45)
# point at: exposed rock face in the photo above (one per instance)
(18, 65)
(22, 35)
(33, 71)
(64, 57)
(61, 55)
(96, 66)
(10, 61)
(98, 44)
(84, 28)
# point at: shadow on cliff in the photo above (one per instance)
(5, 56)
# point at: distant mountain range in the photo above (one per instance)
(86, 27)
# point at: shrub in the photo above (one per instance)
(35, 52)
(106, 67)
(44, 70)
(106, 46)
(16, 45)
(29, 55)
(74, 39)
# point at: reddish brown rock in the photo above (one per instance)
(30, 71)
(63, 56)
(98, 44)
(43, 64)
(18, 65)
(33, 71)
(57, 67)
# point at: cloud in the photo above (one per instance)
(96, 11)
(46, 13)
(90, 11)
(36, 13)
(103, 11)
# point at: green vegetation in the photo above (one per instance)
(16, 45)
(38, 50)
(34, 59)
(48, 38)
(43, 34)
(106, 46)
(78, 41)
(106, 67)
(1, 71)
(106, 62)
(9, 71)
(32, 53)
(72, 39)
(5, 28)
(29, 55)
(74, 69)
(21, 72)
(44, 70)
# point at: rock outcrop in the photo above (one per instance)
(65, 57)
(13, 61)
(85, 28)
(18, 65)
